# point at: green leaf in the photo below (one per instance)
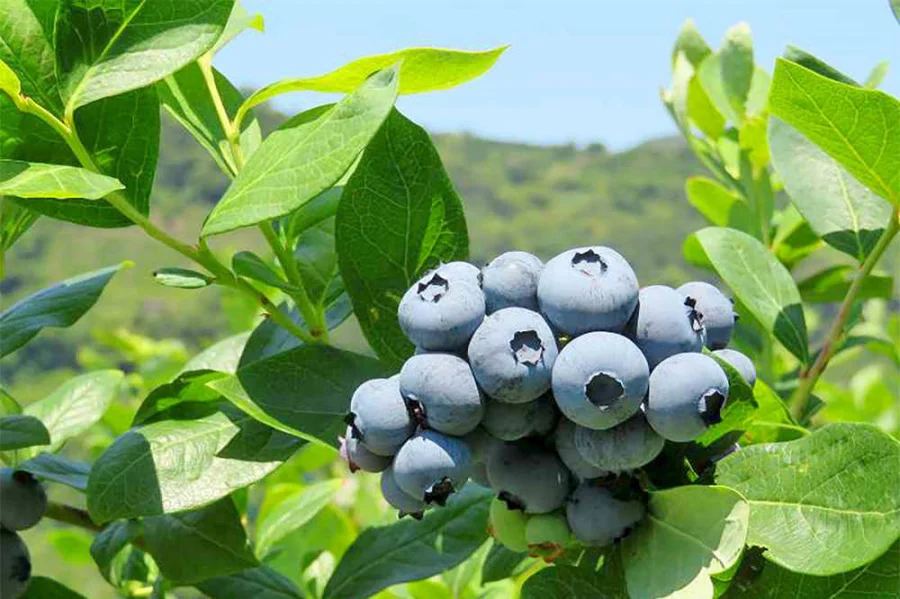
(412, 550)
(895, 8)
(421, 70)
(8, 404)
(19, 431)
(47, 588)
(247, 264)
(176, 465)
(832, 283)
(823, 504)
(318, 263)
(186, 97)
(702, 112)
(305, 156)
(689, 534)
(34, 180)
(118, 561)
(710, 74)
(855, 126)
(258, 583)
(76, 405)
(736, 66)
(188, 388)
(794, 239)
(877, 75)
(182, 278)
(239, 21)
(761, 283)
(813, 63)
(571, 582)
(501, 563)
(772, 421)
(307, 388)
(15, 220)
(221, 357)
(26, 46)
(118, 148)
(843, 212)
(720, 206)
(204, 543)
(108, 48)
(9, 82)
(880, 578)
(691, 43)
(58, 306)
(58, 469)
(312, 212)
(420, 224)
(269, 338)
(292, 513)
(739, 410)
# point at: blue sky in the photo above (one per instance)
(578, 70)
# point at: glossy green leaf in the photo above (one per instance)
(9, 82)
(691, 43)
(420, 223)
(222, 356)
(880, 578)
(108, 48)
(293, 512)
(823, 504)
(877, 75)
(772, 421)
(736, 65)
(571, 582)
(814, 63)
(843, 212)
(312, 212)
(501, 563)
(860, 128)
(230, 388)
(421, 70)
(116, 146)
(307, 388)
(317, 262)
(19, 431)
(35, 180)
(26, 46)
(58, 306)
(761, 283)
(239, 21)
(690, 533)
(710, 75)
(181, 278)
(258, 583)
(204, 543)
(188, 388)
(76, 405)
(412, 550)
(247, 264)
(117, 560)
(15, 220)
(47, 588)
(702, 112)
(175, 465)
(720, 206)
(187, 99)
(794, 239)
(831, 285)
(305, 156)
(59, 469)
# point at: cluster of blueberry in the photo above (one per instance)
(549, 384)
(23, 502)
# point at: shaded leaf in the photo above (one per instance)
(501, 563)
(26, 47)
(59, 469)
(571, 582)
(15, 220)
(247, 264)
(19, 431)
(47, 588)
(412, 550)
(813, 63)
(832, 284)
(36, 180)
(823, 504)
(293, 512)
(772, 421)
(188, 388)
(258, 583)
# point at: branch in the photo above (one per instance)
(69, 514)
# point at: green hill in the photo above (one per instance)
(517, 196)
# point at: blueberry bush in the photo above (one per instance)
(543, 429)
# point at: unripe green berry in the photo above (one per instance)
(508, 526)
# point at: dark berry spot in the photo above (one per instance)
(603, 390)
(433, 289)
(21, 569)
(512, 502)
(527, 348)
(417, 412)
(24, 478)
(694, 315)
(589, 263)
(350, 420)
(710, 406)
(440, 492)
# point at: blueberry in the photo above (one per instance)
(508, 526)
(358, 456)
(460, 271)
(15, 565)
(564, 439)
(588, 289)
(627, 446)
(528, 477)
(665, 324)
(740, 362)
(510, 422)
(441, 391)
(399, 499)
(597, 518)
(23, 500)
(511, 280)
(687, 392)
(717, 310)
(379, 417)
(512, 355)
(547, 536)
(441, 312)
(600, 379)
(482, 444)
(479, 475)
(431, 466)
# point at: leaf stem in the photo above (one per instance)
(69, 514)
(232, 133)
(808, 378)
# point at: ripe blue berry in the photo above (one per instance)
(564, 440)
(627, 446)
(399, 499)
(687, 393)
(666, 323)
(740, 362)
(600, 379)
(15, 565)
(379, 417)
(717, 310)
(23, 500)
(511, 280)
(597, 518)
(512, 355)
(588, 289)
(441, 391)
(510, 422)
(441, 312)
(528, 477)
(432, 466)
(358, 456)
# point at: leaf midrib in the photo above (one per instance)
(712, 551)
